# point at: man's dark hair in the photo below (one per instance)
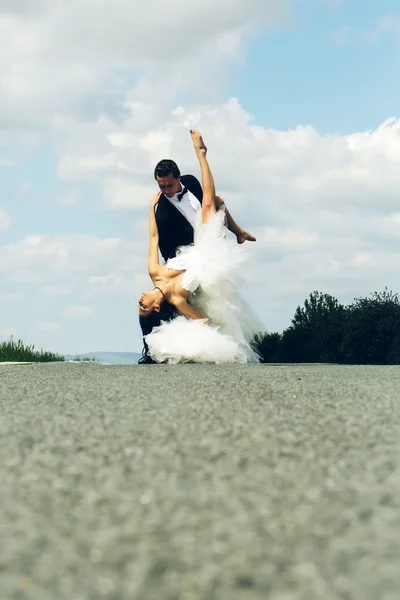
(165, 167)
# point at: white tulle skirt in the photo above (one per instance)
(213, 266)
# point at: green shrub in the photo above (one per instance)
(316, 331)
(372, 326)
(266, 345)
(16, 351)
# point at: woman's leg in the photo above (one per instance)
(208, 203)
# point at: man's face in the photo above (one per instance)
(169, 185)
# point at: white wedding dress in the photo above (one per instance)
(212, 266)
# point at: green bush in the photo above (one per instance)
(16, 351)
(394, 351)
(316, 331)
(371, 329)
(266, 345)
(323, 331)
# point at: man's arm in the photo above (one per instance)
(188, 310)
(240, 233)
(154, 263)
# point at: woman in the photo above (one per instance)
(213, 326)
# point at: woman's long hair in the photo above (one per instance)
(167, 312)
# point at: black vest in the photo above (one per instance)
(174, 229)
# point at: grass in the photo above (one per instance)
(16, 351)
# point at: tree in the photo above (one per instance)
(371, 330)
(316, 331)
(266, 345)
(393, 357)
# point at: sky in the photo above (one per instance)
(298, 103)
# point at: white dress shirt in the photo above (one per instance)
(189, 206)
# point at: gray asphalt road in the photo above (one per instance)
(199, 482)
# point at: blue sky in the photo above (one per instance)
(333, 68)
(301, 154)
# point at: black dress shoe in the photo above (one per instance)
(146, 360)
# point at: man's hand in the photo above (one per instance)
(186, 309)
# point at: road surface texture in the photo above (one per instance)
(189, 482)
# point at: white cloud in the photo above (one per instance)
(118, 284)
(55, 261)
(122, 194)
(263, 173)
(84, 267)
(322, 206)
(79, 311)
(389, 23)
(49, 327)
(278, 239)
(79, 56)
(5, 221)
(71, 199)
(26, 7)
(55, 290)
(6, 334)
(103, 81)
(341, 36)
(26, 188)
(333, 4)
(6, 162)
(10, 297)
(127, 33)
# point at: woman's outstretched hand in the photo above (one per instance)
(198, 142)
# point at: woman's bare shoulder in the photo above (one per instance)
(159, 271)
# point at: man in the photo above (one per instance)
(176, 215)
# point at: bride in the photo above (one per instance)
(215, 324)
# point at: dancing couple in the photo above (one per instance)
(194, 313)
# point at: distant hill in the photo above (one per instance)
(110, 358)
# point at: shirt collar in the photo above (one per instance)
(175, 197)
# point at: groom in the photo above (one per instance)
(176, 214)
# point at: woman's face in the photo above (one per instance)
(147, 303)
